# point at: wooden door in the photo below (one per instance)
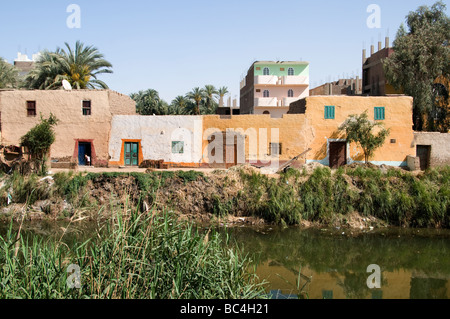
(338, 154)
(423, 153)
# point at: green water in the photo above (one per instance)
(318, 263)
(333, 263)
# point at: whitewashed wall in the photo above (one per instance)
(156, 134)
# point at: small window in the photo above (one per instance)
(379, 113)
(281, 69)
(177, 147)
(291, 71)
(266, 71)
(275, 148)
(86, 107)
(291, 93)
(258, 90)
(266, 112)
(31, 108)
(329, 112)
(258, 68)
(266, 93)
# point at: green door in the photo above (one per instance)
(131, 154)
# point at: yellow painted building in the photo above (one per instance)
(312, 123)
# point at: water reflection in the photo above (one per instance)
(333, 263)
(317, 264)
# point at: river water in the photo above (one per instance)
(328, 263)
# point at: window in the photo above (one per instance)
(379, 113)
(329, 112)
(291, 93)
(177, 147)
(86, 107)
(31, 108)
(266, 112)
(281, 69)
(266, 71)
(291, 71)
(258, 90)
(266, 93)
(275, 149)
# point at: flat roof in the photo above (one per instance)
(282, 62)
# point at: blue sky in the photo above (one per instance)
(175, 45)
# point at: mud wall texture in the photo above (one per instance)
(398, 118)
(258, 132)
(439, 144)
(172, 138)
(74, 126)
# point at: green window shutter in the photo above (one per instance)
(379, 113)
(329, 112)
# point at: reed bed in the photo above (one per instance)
(134, 256)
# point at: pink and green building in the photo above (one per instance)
(270, 87)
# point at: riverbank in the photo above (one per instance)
(355, 196)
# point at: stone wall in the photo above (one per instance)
(440, 146)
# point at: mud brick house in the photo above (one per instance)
(175, 139)
(324, 115)
(84, 120)
(224, 141)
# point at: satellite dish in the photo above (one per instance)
(66, 85)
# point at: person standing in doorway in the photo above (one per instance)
(88, 160)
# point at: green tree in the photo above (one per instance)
(197, 95)
(210, 93)
(9, 76)
(148, 103)
(421, 55)
(80, 66)
(38, 141)
(360, 130)
(181, 105)
(222, 91)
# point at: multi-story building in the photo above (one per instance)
(270, 87)
(23, 64)
(374, 79)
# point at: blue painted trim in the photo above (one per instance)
(326, 162)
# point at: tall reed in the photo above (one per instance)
(134, 256)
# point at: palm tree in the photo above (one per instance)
(9, 76)
(79, 66)
(210, 92)
(222, 91)
(148, 102)
(46, 74)
(197, 95)
(83, 65)
(180, 105)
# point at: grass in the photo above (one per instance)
(393, 196)
(136, 256)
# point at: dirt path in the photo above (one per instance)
(92, 169)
